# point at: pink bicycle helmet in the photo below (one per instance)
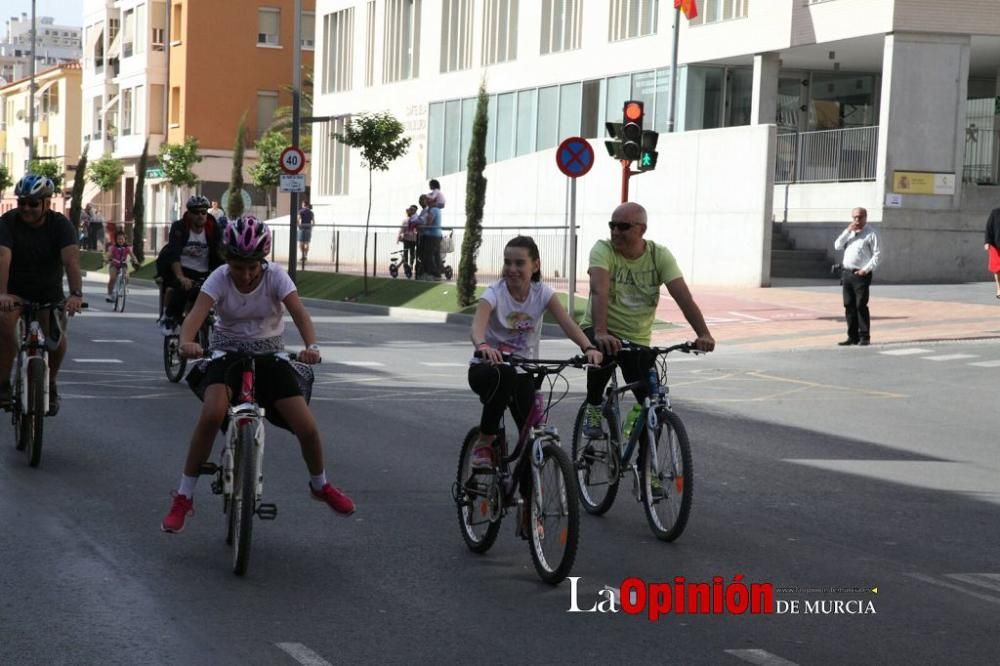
(246, 238)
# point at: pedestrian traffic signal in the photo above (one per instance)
(614, 145)
(648, 154)
(632, 115)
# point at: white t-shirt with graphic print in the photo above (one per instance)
(253, 316)
(194, 256)
(515, 327)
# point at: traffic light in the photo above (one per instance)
(614, 145)
(632, 114)
(648, 154)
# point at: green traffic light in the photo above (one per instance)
(647, 160)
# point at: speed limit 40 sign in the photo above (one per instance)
(293, 160)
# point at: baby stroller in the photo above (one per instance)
(447, 247)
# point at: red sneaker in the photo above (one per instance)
(335, 498)
(180, 508)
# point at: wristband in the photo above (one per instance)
(313, 347)
(590, 348)
(482, 345)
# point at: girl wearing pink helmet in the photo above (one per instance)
(250, 297)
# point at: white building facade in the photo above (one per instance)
(787, 110)
(56, 44)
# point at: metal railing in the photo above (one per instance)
(827, 156)
(982, 156)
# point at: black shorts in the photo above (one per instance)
(276, 379)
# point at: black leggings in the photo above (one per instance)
(499, 386)
(178, 297)
(633, 369)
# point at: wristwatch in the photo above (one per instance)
(313, 347)
(76, 292)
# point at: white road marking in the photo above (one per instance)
(905, 352)
(97, 360)
(761, 657)
(115, 341)
(987, 580)
(748, 316)
(958, 588)
(362, 364)
(986, 364)
(430, 364)
(302, 654)
(948, 357)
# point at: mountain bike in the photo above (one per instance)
(537, 478)
(120, 290)
(239, 475)
(29, 379)
(663, 476)
(173, 363)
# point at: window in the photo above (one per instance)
(267, 104)
(50, 99)
(99, 53)
(309, 30)
(268, 26)
(128, 34)
(499, 31)
(370, 45)
(338, 50)
(333, 157)
(126, 115)
(158, 25)
(632, 18)
(158, 39)
(156, 109)
(710, 11)
(561, 25)
(548, 117)
(98, 118)
(452, 135)
(175, 23)
(139, 110)
(140, 28)
(401, 45)
(175, 106)
(456, 35)
(526, 106)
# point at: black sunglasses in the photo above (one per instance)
(29, 203)
(620, 226)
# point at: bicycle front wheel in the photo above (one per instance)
(31, 422)
(173, 362)
(477, 496)
(554, 515)
(121, 288)
(244, 500)
(667, 476)
(597, 468)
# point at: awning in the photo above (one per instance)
(92, 40)
(114, 50)
(45, 86)
(111, 102)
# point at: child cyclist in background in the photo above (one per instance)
(508, 319)
(117, 258)
(250, 297)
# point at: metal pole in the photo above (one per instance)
(572, 248)
(673, 72)
(31, 92)
(296, 94)
(626, 172)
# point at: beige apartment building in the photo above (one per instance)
(57, 102)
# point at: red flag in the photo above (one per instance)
(689, 7)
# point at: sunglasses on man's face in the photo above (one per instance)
(620, 226)
(200, 211)
(29, 203)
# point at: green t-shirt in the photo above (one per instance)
(634, 290)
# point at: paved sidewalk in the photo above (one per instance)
(803, 314)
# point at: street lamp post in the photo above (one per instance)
(296, 103)
(31, 94)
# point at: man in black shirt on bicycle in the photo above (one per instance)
(36, 245)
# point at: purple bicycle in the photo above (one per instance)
(537, 478)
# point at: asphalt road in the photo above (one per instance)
(825, 473)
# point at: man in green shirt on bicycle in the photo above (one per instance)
(625, 278)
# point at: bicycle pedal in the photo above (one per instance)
(267, 511)
(207, 469)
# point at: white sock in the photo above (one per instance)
(187, 485)
(317, 482)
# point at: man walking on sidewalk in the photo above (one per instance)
(861, 256)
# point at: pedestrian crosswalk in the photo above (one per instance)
(969, 358)
(982, 586)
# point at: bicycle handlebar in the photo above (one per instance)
(541, 365)
(213, 354)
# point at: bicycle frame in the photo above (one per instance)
(245, 411)
(28, 331)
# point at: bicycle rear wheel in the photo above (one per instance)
(554, 516)
(477, 496)
(173, 362)
(244, 500)
(667, 476)
(31, 423)
(597, 468)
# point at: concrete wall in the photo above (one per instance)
(825, 202)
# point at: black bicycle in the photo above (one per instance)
(663, 476)
(537, 478)
(173, 363)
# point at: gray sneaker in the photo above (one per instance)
(593, 422)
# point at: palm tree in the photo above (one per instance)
(282, 119)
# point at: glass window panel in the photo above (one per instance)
(452, 135)
(570, 105)
(435, 140)
(592, 127)
(548, 117)
(662, 95)
(644, 90)
(468, 118)
(740, 97)
(491, 131)
(505, 127)
(619, 89)
(526, 110)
